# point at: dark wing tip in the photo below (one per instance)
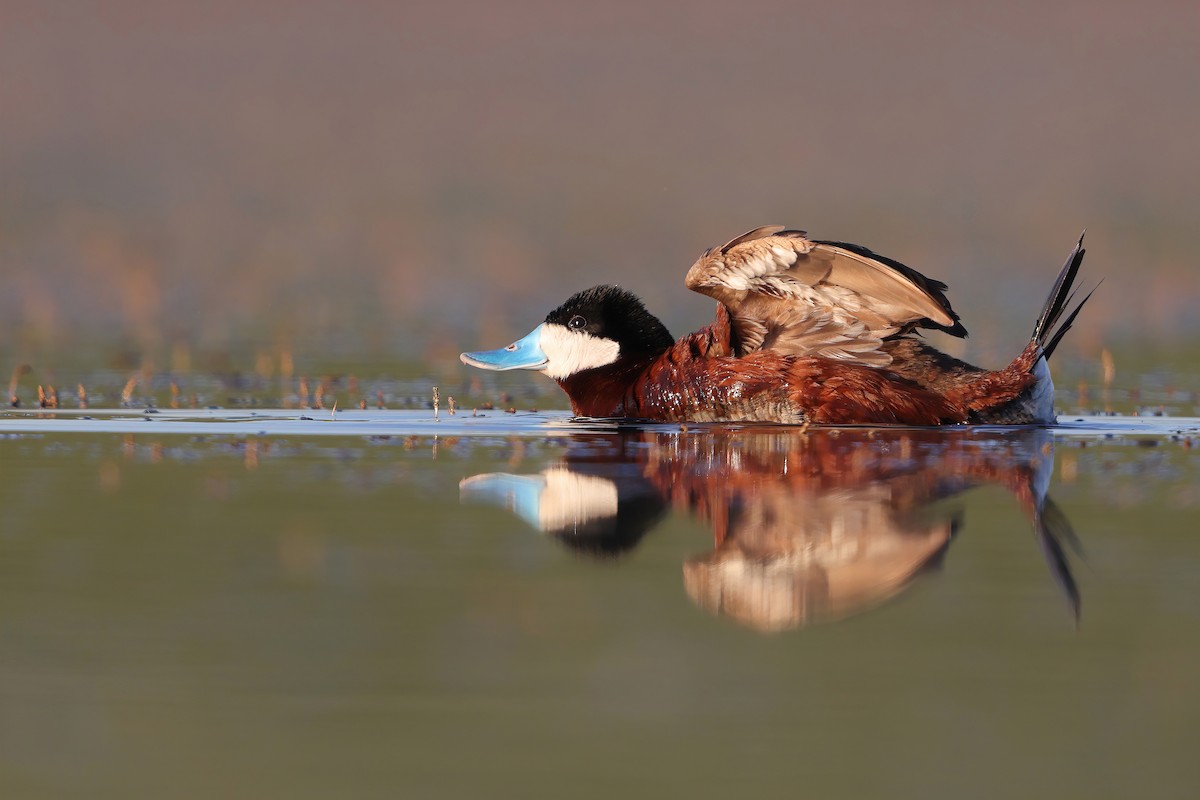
(957, 329)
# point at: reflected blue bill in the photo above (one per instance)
(521, 494)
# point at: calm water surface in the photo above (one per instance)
(204, 604)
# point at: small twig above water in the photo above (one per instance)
(127, 392)
(18, 372)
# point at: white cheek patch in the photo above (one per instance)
(568, 352)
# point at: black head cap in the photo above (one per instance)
(610, 312)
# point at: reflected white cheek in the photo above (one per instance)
(571, 500)
(568, 352)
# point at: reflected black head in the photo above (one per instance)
(614, 536)
(610, 312)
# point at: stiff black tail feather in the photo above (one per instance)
(1048, 332)
(1048, 347)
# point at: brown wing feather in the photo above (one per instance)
(749, 236)
(891, 290)
(792, 295)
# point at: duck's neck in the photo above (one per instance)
(605, 391)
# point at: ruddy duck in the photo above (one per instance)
(807, 331)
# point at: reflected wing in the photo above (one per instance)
(796, 558)
(788, 293)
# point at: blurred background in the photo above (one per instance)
(220, 198)
(222, 183)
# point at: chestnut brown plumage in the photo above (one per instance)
(806, 331)
(698, 379)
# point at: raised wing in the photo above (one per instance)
(788, 293)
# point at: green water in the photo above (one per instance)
(288, 616)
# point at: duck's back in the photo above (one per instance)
(700, 379)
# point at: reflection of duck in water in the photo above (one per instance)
(597, 501)
(806, 331)
(807, 528)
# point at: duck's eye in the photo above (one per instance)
(577, 323)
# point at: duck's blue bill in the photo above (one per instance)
(525, 353)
